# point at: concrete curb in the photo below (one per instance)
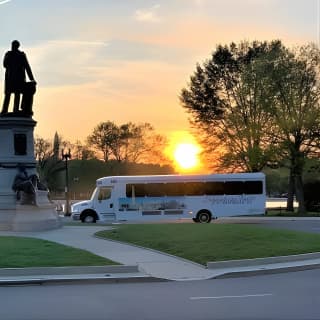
(262, 261)
(265, 271)
(73, 275)
(46, 271)
(80, 280)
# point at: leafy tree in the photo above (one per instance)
(260, 103)
(104, 137)
(153, 151)
(296, 110)
(48, 162)
(120, 148)
(227, 100)
(81, 151)
(128, 142)
(42, 149)
(139, 143)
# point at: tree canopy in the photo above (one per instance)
(227, 100)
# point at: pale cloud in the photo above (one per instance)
(199, 2)
(201, 35)
(147, 15)
(62, 43)
(64, 61)
(4, 1)
(79, 62)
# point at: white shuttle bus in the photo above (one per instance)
(163, 197)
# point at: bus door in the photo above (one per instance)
(104, 201)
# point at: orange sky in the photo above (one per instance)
(128, 60)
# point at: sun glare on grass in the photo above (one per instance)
(186, 155)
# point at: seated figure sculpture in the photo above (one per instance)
(26, 187)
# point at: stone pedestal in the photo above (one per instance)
(17, 150)
(34, 218)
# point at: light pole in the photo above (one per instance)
(75, 181)
(66, 156)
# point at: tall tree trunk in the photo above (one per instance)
(290, 191)
(299, 194)
(296, 170)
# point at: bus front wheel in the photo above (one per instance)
(204, 216)
(88, 217)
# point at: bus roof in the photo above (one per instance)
(179, 178)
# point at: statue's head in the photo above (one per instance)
(15, 44)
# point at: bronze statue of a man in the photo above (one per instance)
(16, 64)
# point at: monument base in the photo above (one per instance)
(6, 217)
(24, 203)
(30, 218)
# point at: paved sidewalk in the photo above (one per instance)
(153, 263)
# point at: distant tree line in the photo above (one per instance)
(128, 142)
(127, 149)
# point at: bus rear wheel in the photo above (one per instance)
(204, 216)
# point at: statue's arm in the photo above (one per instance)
(28, 69)
(6, 60)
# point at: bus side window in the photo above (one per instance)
(174, 189)
(215, 188)
(195, 189)
(135, 190)
(234, 187)
(253, 187)
(154, 190)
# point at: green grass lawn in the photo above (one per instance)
(216, 242)
(16, 252)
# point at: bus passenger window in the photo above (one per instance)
(154, 189)
(253, 187)
(174, 189)
(234, 187)
(195, 188)
(135, 190)
(215, 188)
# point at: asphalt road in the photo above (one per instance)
(284, 296)
(298, 224)
(312, 226)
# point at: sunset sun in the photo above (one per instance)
(186, 155)
(184, 152)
